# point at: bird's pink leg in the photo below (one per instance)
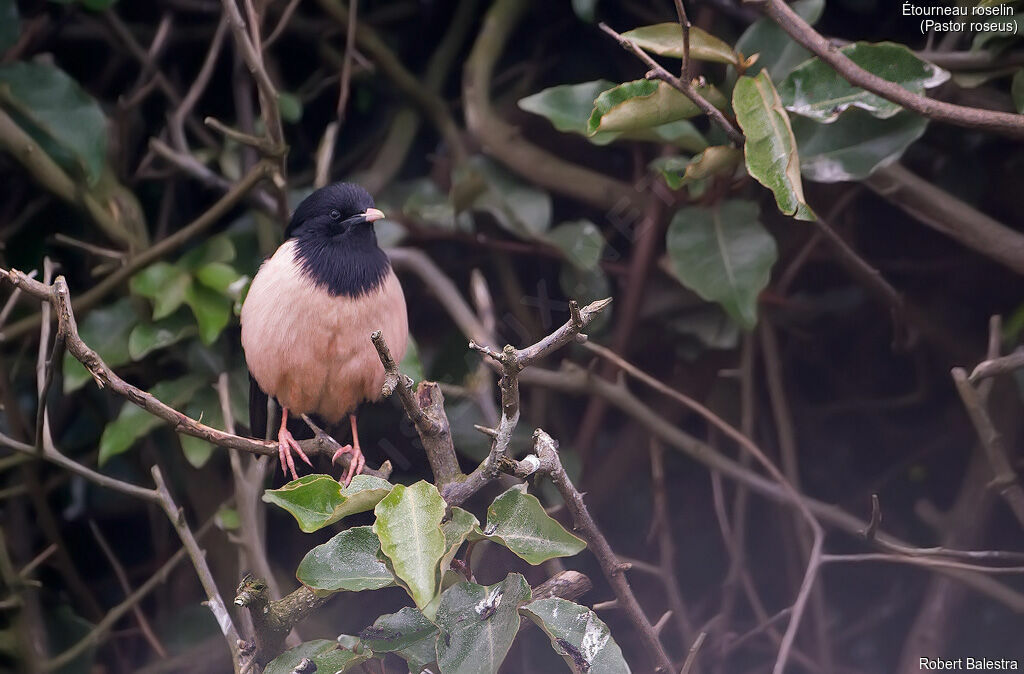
(358, 461)
(285, 444)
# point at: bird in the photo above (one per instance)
(308, 316)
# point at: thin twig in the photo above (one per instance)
(213, 599)
(110, 619)
(1005, 480)
(546, 450)
(122, 579)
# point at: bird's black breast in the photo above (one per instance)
(349, 270)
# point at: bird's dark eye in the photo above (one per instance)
(335, 214)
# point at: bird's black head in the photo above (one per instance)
(335, 242)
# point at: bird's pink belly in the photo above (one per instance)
(312, 351)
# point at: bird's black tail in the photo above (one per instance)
(257, 410)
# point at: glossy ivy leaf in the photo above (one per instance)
(346, 562)
(715, 160)
(777, 52)
(204, 406)
(578, 635)
(407, 633)
(316, 501)
(855, 145)
(642, 104)
(723, 254)
(10, 24)
(568, 108)
(326, 654)
(517, 520)
(770, 149)
(215, 249)
(133, 422)
(815, 90)
(222, 278)
(66, 121)
(477, 625)
(666, 39)
(580, 241)
(105, 330)
(146, 338)
(409, 527)
(164, 284)
(211, 309)
(520, 208)
(1017, 90)
(456, 529)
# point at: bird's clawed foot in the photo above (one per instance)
(358, 461)
(286, 443)
(355, 466)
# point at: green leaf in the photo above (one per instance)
(409, 527)
(58, 113)
(642, 104)
(325, 653)
(133, 422)
(581, 242)
(853, 146)
(520, 208)
(666, 39)
(222, 277)
(146, 338)
(228, 519)
(517, 520)
(212, 311)
(815, 90)
(346, 562)
(1017, 90)
(407, 631)
(106, 330)
(568, 108)
(724, 254)
(578, 635)
(204, 406)
(715, 160)
(777, 52)
(770, 148)
(215, 249)
(477, 625)
(456, 530)
(163, 283)
(316, 501)
(290, 106)
(10, 24)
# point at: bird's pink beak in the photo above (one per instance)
(372, 214)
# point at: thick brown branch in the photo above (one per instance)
(426, 410)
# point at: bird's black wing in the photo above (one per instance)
(257, 410)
